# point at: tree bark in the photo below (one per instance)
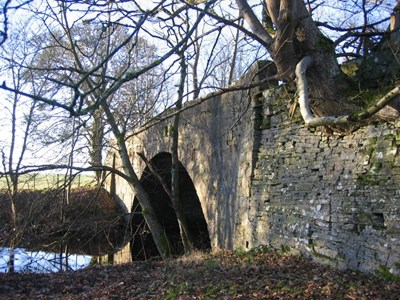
(165, 248)
(253, 22)
(186, 238)
(297, 36)
(97, 138)
(175, 194)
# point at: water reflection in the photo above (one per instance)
(41, 262)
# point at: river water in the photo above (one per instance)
(41, 262)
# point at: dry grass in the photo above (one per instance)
(49, 181)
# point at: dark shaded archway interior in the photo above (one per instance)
(142, 244)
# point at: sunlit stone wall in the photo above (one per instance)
(335, 198)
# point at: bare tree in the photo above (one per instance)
(13, 154)
(131, 104)
(7, 8)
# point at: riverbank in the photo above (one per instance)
(225, 275)
(88, 222)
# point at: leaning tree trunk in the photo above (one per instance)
(164, 247)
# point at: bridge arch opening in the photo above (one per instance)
(142, 244)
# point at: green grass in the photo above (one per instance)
(49, 181)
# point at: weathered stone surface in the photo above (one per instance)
(265, 179)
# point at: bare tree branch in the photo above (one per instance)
(253, 22)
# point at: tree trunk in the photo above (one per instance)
(181, 218)
(232, 65)
(173, 191)
(175, 195)
(157, 230)
(297, 36)
(97, 138)
(165, 248)
(13, 191)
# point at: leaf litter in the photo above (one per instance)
(220, 275)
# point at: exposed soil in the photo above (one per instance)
(225, 275)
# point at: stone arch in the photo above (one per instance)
(142, 244)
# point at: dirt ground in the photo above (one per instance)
(225, 275)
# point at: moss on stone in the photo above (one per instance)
(364, 218)
(368, 180)
(385, 273)
(350, 68)
(265, 123)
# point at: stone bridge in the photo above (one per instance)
(252, 175)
